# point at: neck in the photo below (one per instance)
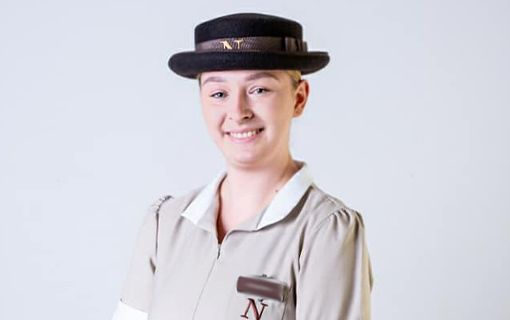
(256, 187)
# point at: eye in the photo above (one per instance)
(260, 90)
(218, 95)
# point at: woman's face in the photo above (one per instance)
(248, 113)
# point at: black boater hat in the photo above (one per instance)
(244, 41)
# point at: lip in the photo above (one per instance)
(247, 139)
(243, 130)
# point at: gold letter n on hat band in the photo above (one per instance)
(287, 44)
(226, 44)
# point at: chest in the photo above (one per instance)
(196, 278)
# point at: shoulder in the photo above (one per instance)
(169, 203)
(327, 209)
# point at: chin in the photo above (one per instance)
(243, 159)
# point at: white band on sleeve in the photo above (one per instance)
(125, 312)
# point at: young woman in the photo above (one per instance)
(261, 240)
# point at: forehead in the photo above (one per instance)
(241, 76)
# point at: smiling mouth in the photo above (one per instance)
(246, 134)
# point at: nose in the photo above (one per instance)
(240, 109)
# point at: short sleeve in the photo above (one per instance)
(335, 274)
(137, 288)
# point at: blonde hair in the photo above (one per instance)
(295, 77)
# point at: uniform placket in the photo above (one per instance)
(212, 276)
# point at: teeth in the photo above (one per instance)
(244, 134)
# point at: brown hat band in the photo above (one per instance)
(287, 44)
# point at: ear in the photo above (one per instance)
(301, 96)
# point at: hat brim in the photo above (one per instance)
(190, 63)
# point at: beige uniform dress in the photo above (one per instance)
(304, 238)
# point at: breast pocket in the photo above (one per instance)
(257, 298)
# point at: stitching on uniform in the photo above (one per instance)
(287, 297)
(156, 206)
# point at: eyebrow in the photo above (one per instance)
(258, 75)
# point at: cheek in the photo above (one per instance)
(280, 113)
(213, 120)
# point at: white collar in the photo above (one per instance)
(281, 205)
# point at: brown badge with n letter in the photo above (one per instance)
(260, 288)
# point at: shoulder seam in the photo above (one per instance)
(156, 206)
(340, 206)
(322, 222)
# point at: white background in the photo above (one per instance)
(408, 124)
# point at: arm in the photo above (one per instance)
(335, 277)
(137, 289)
